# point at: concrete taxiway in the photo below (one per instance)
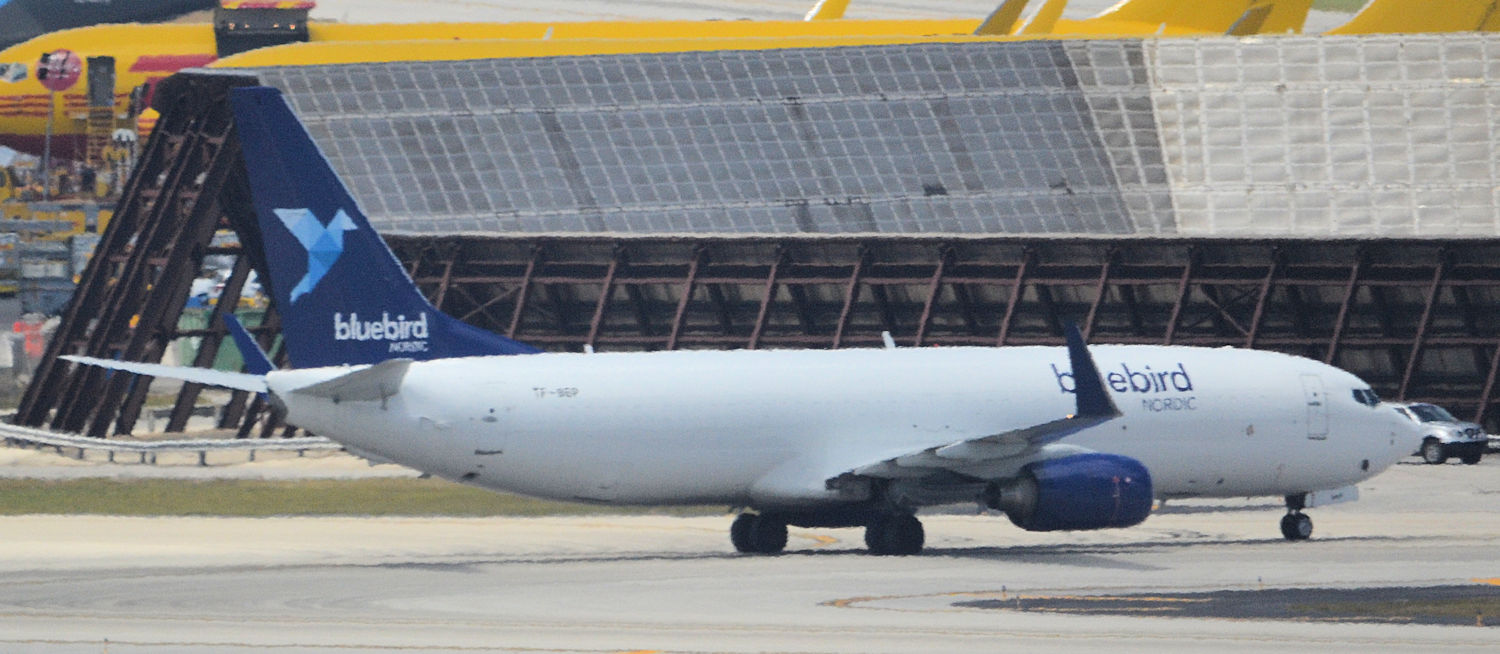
(613, 584)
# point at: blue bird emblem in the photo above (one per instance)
(323, 243)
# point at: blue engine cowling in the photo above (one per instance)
(1083, 491)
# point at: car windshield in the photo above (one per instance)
(1432, 413)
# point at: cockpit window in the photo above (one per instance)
(1432, 413)
(1366, 396)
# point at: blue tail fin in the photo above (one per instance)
(344, 298)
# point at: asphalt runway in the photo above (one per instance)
(618, 584)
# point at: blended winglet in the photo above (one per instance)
(1093, 400)
(1094, 408)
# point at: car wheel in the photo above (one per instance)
(1471, 459)
(1432, 452)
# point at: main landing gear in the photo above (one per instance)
(1296, 525)
(887, 534)
(758, 533)
(897, 534)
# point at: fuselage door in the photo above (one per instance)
(1317, 407)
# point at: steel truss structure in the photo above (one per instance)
(1412, 316)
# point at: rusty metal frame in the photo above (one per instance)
(1267, 294)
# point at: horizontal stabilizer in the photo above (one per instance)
(235, 380)
(376, 382)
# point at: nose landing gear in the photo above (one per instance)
(1296, 525)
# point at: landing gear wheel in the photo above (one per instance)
(758, 533)
(1296, 526)
(739, 532)
(895, 535)
(1432, 452)
(1471, 459)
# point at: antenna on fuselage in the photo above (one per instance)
(890, 343)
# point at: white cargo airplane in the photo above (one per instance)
(1058, 438)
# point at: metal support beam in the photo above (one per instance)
(687, 296)
(1266, 285)
(934, 289)
(524, 292)
(851, 293)
(605, 291)
(766, 299)
(1183, 286)
(1416, 347)
(447, 278)
(1338, 324)
(721, 308)
(965, 300)
(1100, 290)
(1017, 288)
(208, 345)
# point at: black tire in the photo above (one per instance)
(767, 534)
(1471, 459)
(1433, 452)
(1296, 526)
(739, 533)
(872, 535)
(897, 535)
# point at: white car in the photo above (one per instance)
(1446, 435)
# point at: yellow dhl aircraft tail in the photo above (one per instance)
(1176, 18)
(1408, 16)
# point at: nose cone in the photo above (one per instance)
(1406, 434)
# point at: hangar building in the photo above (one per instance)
(1331, 197)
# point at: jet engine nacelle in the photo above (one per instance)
(1083, 491)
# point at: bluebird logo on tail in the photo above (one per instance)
(323, 243)
(343, 297)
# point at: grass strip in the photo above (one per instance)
(260, 498)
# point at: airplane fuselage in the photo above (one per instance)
(766, 428)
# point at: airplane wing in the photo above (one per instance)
(1011, 448)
